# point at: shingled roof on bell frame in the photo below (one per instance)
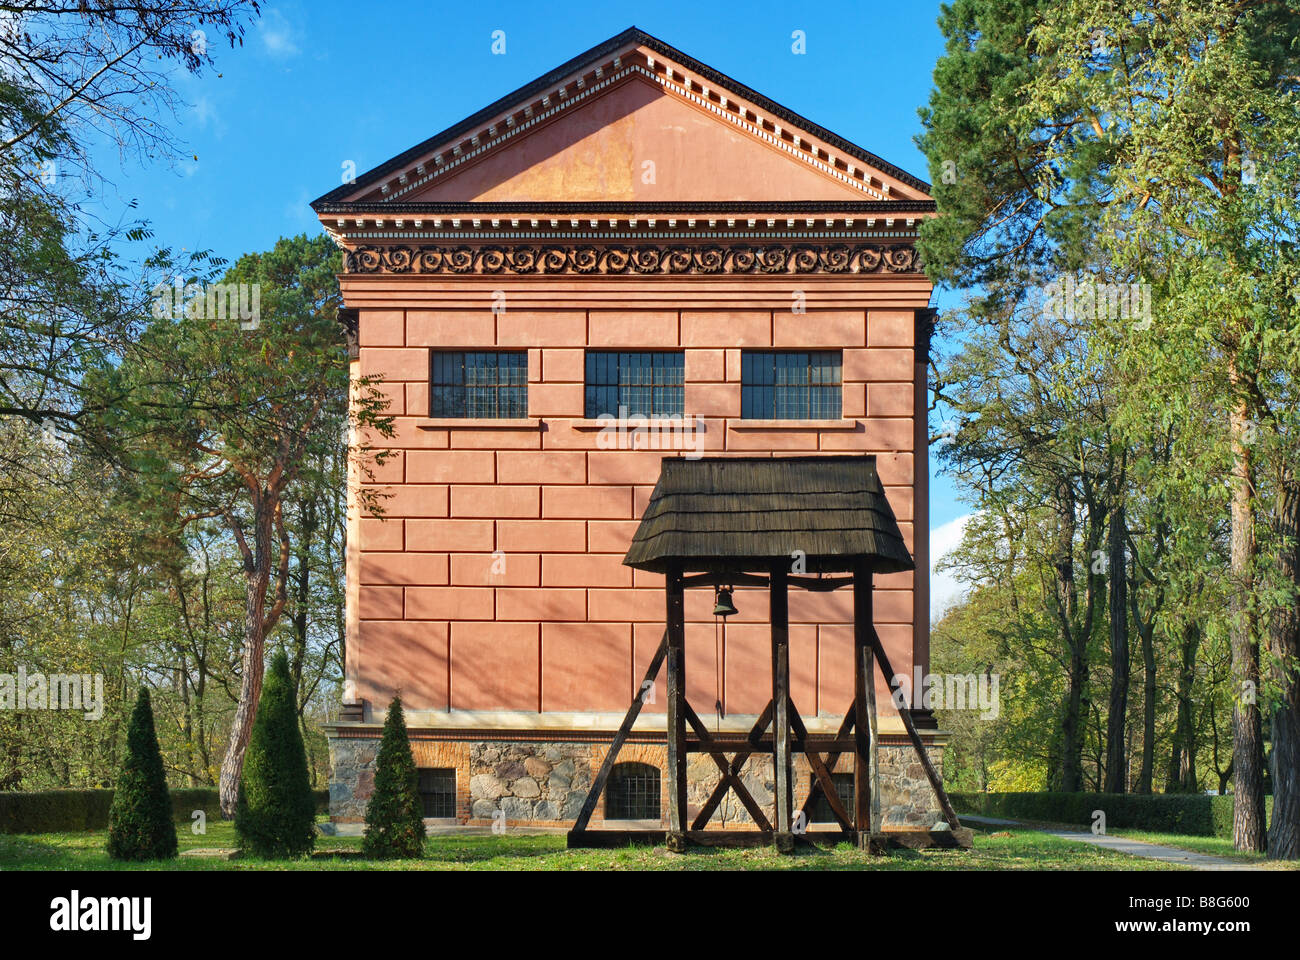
(745, 513)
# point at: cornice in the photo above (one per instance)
(633, 208)
(754, 224)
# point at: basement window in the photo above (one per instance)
(632, 792)
(622, 384)
(437, 787)
(820, 810)
(476, 384)
(790, 385)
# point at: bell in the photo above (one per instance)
(724, 607)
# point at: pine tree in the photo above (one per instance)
(394, 818)
(275, 814)
(140, 825)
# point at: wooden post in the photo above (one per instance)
(873, 739)
(863, 681)
(782, 761)
(676, 627)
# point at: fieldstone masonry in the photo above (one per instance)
(545, 783)
(528, 781)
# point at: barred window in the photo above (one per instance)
(437, 789)
(820, 810)
(632, 792)
(479, 384)
(790, 385)
(622, 384)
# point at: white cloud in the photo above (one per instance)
(945, 589)
(208, 118)
(277, 35)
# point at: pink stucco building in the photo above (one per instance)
(633, 235)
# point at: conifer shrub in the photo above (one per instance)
(140, 825)
(276, 811)
(394, 816)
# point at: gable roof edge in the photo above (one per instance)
(632, 35)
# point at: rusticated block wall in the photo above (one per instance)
(495, 579)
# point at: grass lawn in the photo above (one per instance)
(995, 849)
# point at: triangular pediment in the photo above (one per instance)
(633, 121)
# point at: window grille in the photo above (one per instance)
(623, 384)
(479, 384)
(790, 385)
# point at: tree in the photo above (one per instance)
(394, 815)
(1197, 106)
(1283, 663)
(221, 418)
(140, 824)
(74, 76)
(1033, 448)
(275, 813)
(1158, 142)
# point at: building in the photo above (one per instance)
(632, 257)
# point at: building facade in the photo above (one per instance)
(632, 257)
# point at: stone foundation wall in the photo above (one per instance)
(544, 783)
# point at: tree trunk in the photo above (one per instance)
(1181, 777)
(187, 719)
(257, 571)
(1147, 774)
(1247, 738)
(1284, 667)
(1116, 779)
(1070, 776)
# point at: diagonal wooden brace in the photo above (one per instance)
(728, 777)
(737, 762)
(819, 770)
(598, 785)
(905, 712)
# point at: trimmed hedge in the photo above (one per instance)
(71, 811)
(1193, 814)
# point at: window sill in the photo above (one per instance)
(738, 424)
(632, 423)
(470, 423)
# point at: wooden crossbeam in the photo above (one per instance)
(724, 580)
(797, 745)
(728, 778)
(598, 785)
(737, 762)
(905, 712)
(820, 584)
(819, 770)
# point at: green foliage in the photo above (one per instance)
(394, 816)
(275, 815)
(140, 823)
(1197, 815)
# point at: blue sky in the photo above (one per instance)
(318, 84)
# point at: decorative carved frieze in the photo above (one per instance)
(642, 259)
